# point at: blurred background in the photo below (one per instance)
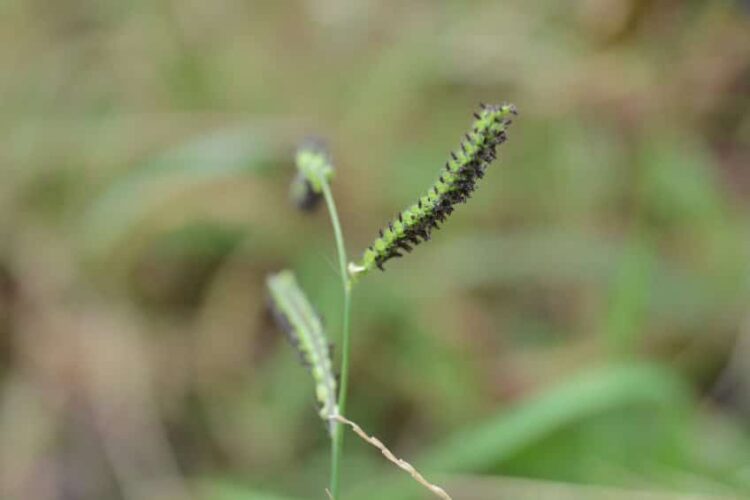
(581, 329)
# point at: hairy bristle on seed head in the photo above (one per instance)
(456, 183)
(295, 315)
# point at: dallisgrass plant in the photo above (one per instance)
(296, 316)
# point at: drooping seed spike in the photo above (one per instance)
(296, 316)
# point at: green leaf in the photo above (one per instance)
(481, 446)
(587, 394)
(220, 156)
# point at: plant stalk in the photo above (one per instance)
(337, 440)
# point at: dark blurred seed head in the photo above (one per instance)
(302, 194)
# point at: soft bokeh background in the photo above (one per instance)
(581, 329)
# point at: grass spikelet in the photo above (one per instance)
(455, 184)
(297, 318)
(313, 168)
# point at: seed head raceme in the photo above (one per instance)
(297, 318)
(313, 168)
(457, 180)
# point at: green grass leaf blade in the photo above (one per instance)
(587, 394)
(224, 154)
(221, 489)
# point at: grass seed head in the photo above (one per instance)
(313, 168)
(295, 315)
(455, 184)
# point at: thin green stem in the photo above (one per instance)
(337, 444)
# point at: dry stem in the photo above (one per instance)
(402, 464)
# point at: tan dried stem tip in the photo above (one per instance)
(402, 464)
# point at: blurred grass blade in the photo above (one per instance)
(593, 393)
(221, 489)
(588, 394)
(625, 320)
(482, 487)
(219, 156)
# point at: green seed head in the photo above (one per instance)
(314, 167)
(455, 184)
(297, 318)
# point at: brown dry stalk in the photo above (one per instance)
(402, 464)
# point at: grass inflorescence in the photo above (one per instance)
(314, 167)
(297, 317)
(455, 184)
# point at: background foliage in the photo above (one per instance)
(580, 330)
